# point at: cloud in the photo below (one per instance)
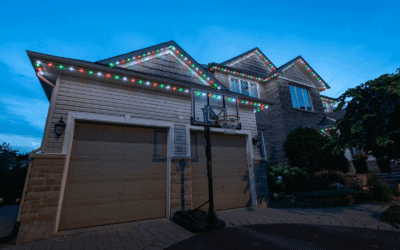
(21, 143)
(33, 111)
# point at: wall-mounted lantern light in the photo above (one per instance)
(59, 127)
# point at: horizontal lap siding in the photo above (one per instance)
(102, 98)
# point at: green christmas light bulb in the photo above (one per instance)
(37, 65)
(180, 89)
(111, 64)
(213, 96)
(161, 85)
(198, 93)
(90, 72)
(140, 81)
(116, 77)
(61, 66)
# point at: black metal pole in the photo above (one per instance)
(211, 219)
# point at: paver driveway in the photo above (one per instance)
(163, 233)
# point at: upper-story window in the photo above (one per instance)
(300, 98)
(244, 87)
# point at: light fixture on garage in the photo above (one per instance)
(59, 127)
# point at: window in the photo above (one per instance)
(300, 98)
(244, 87)
(325, 106)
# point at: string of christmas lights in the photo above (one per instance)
(256, 52)
(314, 74)
(39, 67)
(245, 75)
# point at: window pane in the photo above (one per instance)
(245, 88)
(308, 104)
(254, 90)
(235, 85)
(300, 98)
(294, 102)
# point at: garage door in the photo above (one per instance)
(116, 174)
(231, 186)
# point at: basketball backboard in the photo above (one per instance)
(208, 106)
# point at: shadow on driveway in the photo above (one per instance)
(294, 236)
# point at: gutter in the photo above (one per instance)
(15, 230)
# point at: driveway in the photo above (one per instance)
(283, 228)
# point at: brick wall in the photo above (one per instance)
(280, 119)
(39, 206)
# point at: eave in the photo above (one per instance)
(53, 66)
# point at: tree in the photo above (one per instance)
(371, 121)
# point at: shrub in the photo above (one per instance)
(378, 190)
(332, 177)
(301, 146)
(391, 214)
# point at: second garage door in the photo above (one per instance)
(116, 174)
(230, 171)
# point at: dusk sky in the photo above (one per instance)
(347, 43)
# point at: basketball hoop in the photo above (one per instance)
(230, 124)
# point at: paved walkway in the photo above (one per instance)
(163, 233)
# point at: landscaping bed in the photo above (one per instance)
(317, 198)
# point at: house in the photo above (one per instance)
(129, 151)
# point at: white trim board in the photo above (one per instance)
(250, 153)
(125, 119)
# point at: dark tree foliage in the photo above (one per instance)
(12, 175)
(372, 119)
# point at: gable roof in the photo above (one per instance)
(304, 68)
(330, 118)
(151, 52)
(51, 66)
(255, 51)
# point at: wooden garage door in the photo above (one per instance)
(230, 171)
(116, 174)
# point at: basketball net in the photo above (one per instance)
(230, 124)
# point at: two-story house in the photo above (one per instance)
(127, 150)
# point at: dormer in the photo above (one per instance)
(328, 103)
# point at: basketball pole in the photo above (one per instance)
(211, 218)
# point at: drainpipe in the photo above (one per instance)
(15, 230)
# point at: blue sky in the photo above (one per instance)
(345, 42)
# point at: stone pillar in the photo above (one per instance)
(39, 205)
(181, 184)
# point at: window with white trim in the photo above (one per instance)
(300, 98)
(244, 87)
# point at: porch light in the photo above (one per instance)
(59, 127)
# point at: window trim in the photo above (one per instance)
(240, 85)
(302, 94)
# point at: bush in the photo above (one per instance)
(377, 190)
(391, 214)
(330, 177)
(302, 145)
(308, 149)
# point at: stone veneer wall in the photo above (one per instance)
(39, 206)
(181, 185)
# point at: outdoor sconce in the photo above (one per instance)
(59, 127)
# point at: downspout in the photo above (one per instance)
(15, 230)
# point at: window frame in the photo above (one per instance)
(240, 86)
(302, 94)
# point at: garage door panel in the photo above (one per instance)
(74, 216)
(122, 159)
(230, 171)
